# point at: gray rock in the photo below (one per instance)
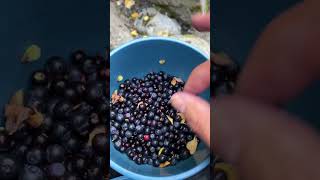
(202, 35)
(158, 24)
(150, 11)
(119, 33)
(181, 9)
(195, 41)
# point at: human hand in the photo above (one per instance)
(195, 109)
(250, 130)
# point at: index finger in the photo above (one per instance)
(201, 22)
(199, 80)
(285, 59)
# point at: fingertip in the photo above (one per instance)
(177, 101)
(199, 79)
(201, 22)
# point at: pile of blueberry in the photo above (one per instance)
(224, 74)
(143, 123)
(70, 140)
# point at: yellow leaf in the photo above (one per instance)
(170, 119)
(134, 15)
(183, 119)
(134, 33)
(17, 98)
(32, 53)
(145, 36)
(192, 145)
(129, 3)
(160, 151)
(173, 82)
(165, 164)
(146, 18)
(36, 119)
(162, 61)
(119, 78)
(118, 2)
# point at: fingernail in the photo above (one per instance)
(178, 102)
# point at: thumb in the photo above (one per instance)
(196, 112)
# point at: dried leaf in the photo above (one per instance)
(129, 3)
(116, 98)
(32, 53)
(134, 33)
(134, 15)
(183, 118)
(160, 151)
(15, 116)
(119, 78)
(170, 119)
(97, 130)
(141, 102)
(178, 79)
(163, 33)
(165, 164)
(17, 98)
(36, 119)
(173, 82)
(162, 61)
(192, 145)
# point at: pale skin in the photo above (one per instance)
(250, 129)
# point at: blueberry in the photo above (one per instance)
(158, 132)
(119, 117)
(80, 124)
(79, 164)
(55, 66)
(58, 131)
(56, 170)
(89, 66)
(77, 57)
(75, 74)
(176, 124)
(71, 144)
(112, 115)
(128, 134)
(162, 158)
(41, 140)
(151, 115)
(71, 94)
(9, 167)
(55, 153)
(117, 144)
(154, 143)
(94, 92)
(71, 176)
(62, 110)
(35, 156)
(156, 163)
(58, 86)
(113, 130)
(32, 173)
